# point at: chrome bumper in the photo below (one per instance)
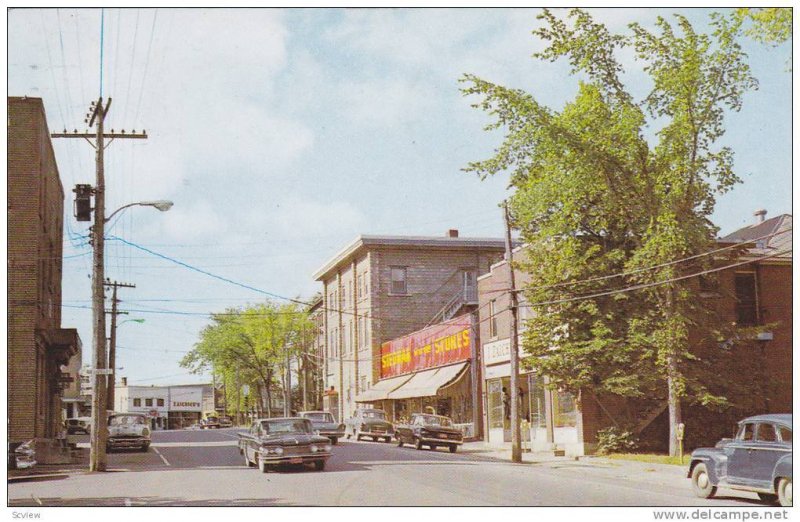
(282, 459)
(128, 443)
(441, 441)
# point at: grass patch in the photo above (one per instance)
(650, 458)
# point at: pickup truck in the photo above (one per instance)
(429, 430)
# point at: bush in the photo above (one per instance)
(616, 440)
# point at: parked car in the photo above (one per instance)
(210, 420)
(758, 459)
(78, 425)
(429, 430)
(225, 422)
(21, 455)
(369, 422)
(288, 440)
(128, 430)
(324, 424)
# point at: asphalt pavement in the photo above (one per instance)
(204, 468)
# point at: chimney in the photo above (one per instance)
(124, 381)
(759, 214)
(453, 232)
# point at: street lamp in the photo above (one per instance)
(112, 356)
(99, 434)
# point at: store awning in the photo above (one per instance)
(428, 382)
(381, 389)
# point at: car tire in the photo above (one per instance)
(334, 440)
(768, 497)
(388, 439)
(434, 446)
(453, 448)
(247, 460)
(399, 442)
(785, 492)
(701, 482)
(374, 439)
(319, 465)
(418, 444)
(145, 447)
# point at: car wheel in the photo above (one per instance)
(768, 497)
(145, 447)
(334, 440)
(399, 442)
(701, 482)
(374, 439)
(434, 446)
(785, 492)
(418, 444)
(319, 465)
(247, 460)
(453, 448)
(263, 466)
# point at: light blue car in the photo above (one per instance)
(759, 459)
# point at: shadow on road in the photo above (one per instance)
(144, 501)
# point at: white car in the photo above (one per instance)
(128, 430)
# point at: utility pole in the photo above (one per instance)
(287, 406)
(305, 368)
(516, 446)
(112, 345)
(99, 434)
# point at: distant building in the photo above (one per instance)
(40, 351)
(379, 288)
(169, 407)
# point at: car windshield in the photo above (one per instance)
(432, 420)
(319, 417)
(286, 426)
(124, 420)
(374, 414)
(212, 419)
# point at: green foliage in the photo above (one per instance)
(592, 197)
(616, 440)
(771, 25)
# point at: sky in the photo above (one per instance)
(282, 135)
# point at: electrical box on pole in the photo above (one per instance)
(83, 202)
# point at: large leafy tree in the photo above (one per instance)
(605, 203)
(251, 345)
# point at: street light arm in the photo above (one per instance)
(162, 205)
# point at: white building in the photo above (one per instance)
(169, 407)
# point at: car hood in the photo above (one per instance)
(325, 425)
(375, 422)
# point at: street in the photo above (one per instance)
(204, 468)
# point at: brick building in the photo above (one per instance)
(379, 288)
(39, 350)
(756, 293)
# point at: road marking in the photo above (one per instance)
(162, 456)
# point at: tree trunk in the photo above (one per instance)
(674, 406)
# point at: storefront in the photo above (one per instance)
(549, 417)
(428, 370)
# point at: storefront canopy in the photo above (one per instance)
(428, 382)
(381, 389)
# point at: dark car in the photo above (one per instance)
(369, 422)
(429, 430)
(288, 440)
(324, 424)
(758, 459)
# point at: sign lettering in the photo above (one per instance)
(438, 345)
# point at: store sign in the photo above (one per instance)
(497, 352)
(185, 399)
(439, 345)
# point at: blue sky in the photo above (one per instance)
(281, 135)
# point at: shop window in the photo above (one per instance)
(160, 402)
(148, 402)
(495, 391)
(746, 312)
(399, 284)
(564, 410)
(536, 401)
(137, 403)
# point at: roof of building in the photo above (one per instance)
(366, 241)
(771, 237)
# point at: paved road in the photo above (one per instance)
(204, 468)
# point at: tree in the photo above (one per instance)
(594, 199)
(250, 345)
(771, 25)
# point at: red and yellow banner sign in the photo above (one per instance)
(438, 345)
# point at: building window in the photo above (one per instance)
(746, 312)
(160, 402)
(137, 403)
(399, 285)
(148, 402)
(493, 318)
(360, 281)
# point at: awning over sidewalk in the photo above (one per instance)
(381, 389)
(428, 382)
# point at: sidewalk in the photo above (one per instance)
(79, 464)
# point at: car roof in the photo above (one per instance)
(312, 411)
(281, 419)
(371, 409)
(782, 418)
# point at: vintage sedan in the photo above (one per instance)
(288, 440)
(78, 425)
(369, 422)
(758, 459)
(429, 430)
(128, 430)
(324, 424)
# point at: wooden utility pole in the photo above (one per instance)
(99, 433)
(112, 344)
(516, 446)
